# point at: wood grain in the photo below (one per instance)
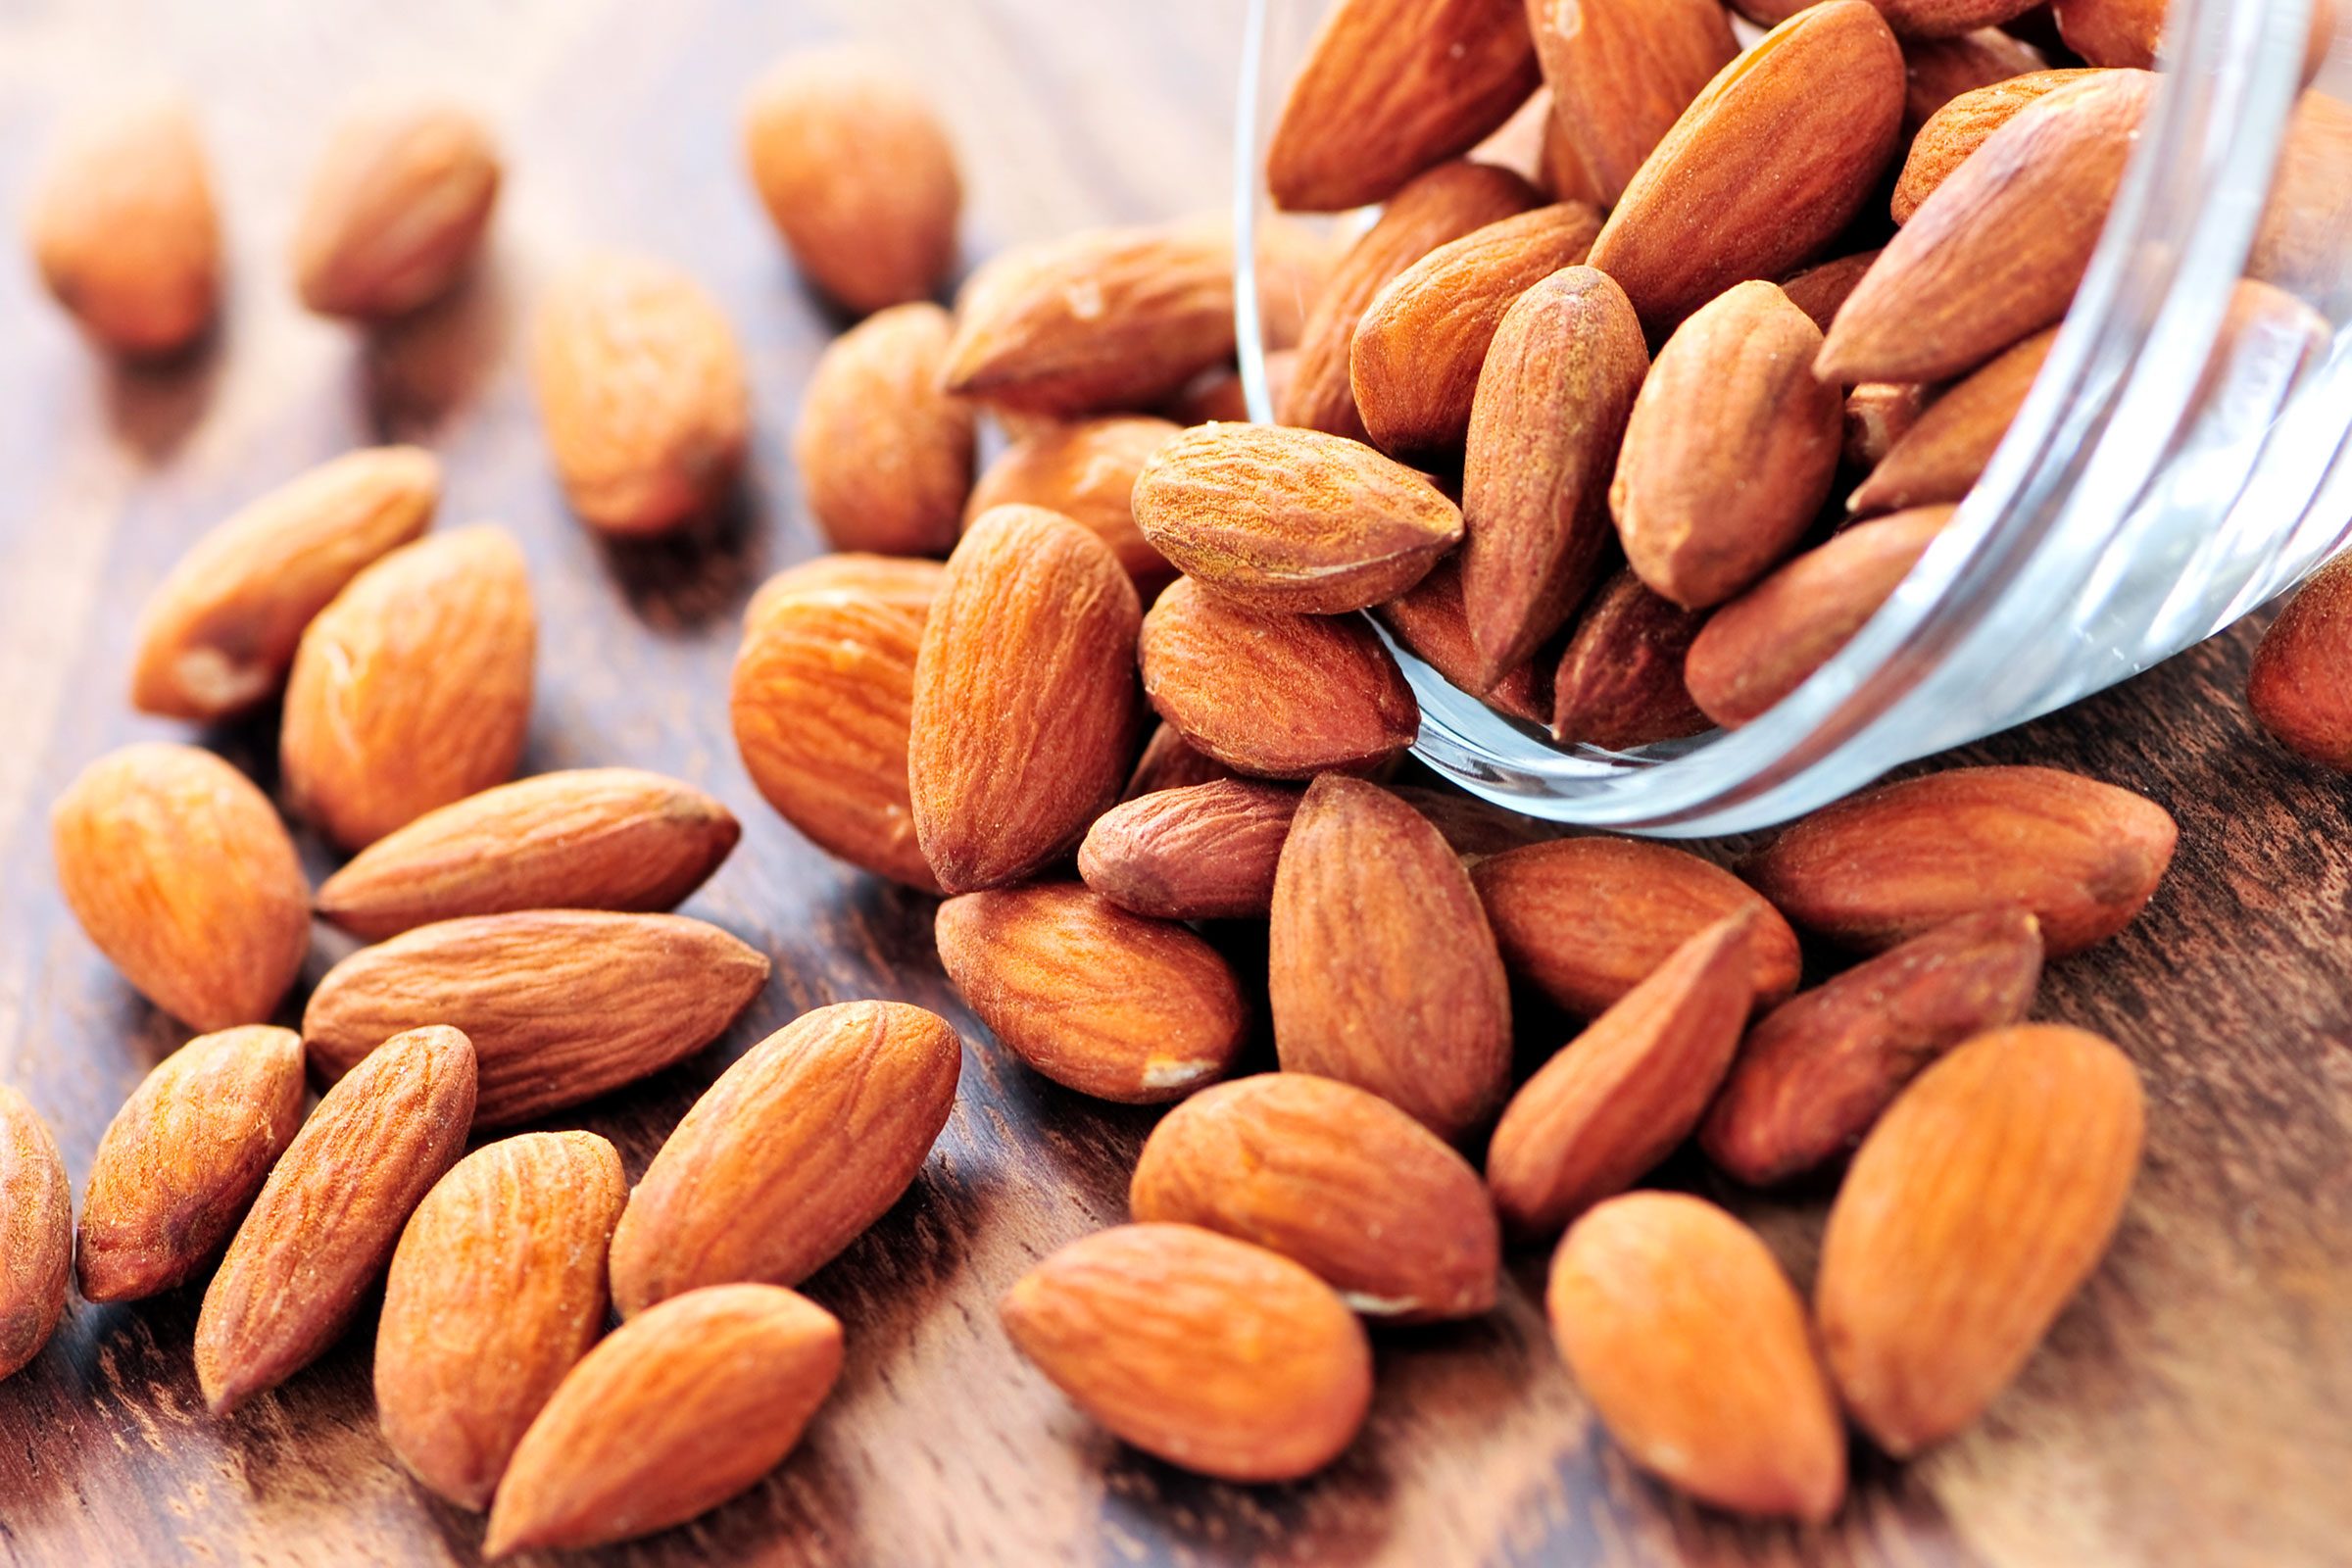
(2193, 1406)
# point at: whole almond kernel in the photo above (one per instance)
(1618, 1097)
(496, 1288)
(1381, 969)
(396, 210)
(900, 582)
(185, 1156)
(806, 1140)
(1817, 1070)
(1974, 1209)
(182, 875)
(674, 1412)
(592, 838)
(2131, 32)
(1334, 1178)
(1622, 71)
(219, 633)
(36, 1231)
(1433, 622)
(885, 457)
(1820, 290)
(1025, 714)
(1170, 763)
(818, 129)
(123, 231)
(1619, 680)
(1940, 69)
(1106, 1002)
(1765, 166)
(1207, 1351)
(289, 1284)
(1958, 127)
(1586, 920)
(1900, 860)
(1943, 454)
(641, 392)
(2300, 686)
(1202, 853)
(1696, 1349)
(562, 1004)
(412, 689)
(1085, 470)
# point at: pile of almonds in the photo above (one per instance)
(1134, 714)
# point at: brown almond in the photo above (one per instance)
(1943, 454)
(806, 1140)
(2300, 686)
(1949, 19)
(2113, 32)
(902, 582)
(1974, 1209)
(1940, 69)
(36, 1224)
(1207, 1351)
(1958, 127)
(1170, 763)
(1086, 470)
(885, 457)
(1879, 414)
(185, 1156)
(2300, 243)
(396, 210)
(1619, 680)
(1433, 622)
(1202, 853)
(1820, 290)
(1332, 1177)
(1899, 860)
(1621, 73)
(1474, 827)
(123, 231)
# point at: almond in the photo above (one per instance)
(1974, 1209)
(182, 875)
(592, 838)
(1940, 69)
(1817, 1070)
(641, 393)
(1942, 456)
(1382, 973)
(2300, 686)
(1900, 860)
(1618, 1097)
(2113, 32)
(219, 631)
(1619, 680)
(1879, 414)
(395, 212)
(817, 131)
(412, 689)
(1334, 1178)
(1586, 920)
(1959, 127)
(1297, 520)
(1553, 399)
(885, 457)
(1086, 470)
(1205, 852)
(1025, 711)
(562, 1004)
(1949, 19)
(2299, 245)
(1170, 763)
(1390, 87)
(1433, 624)
(1208, 1352)
(1765, 166)
(289, 1284)
(1101, 1001)
(900, 582)
(185, 1156)
(36, 1224)
(803, 1143)
(677, 1410)
(1622, 71)
(1473, 827)
(1696, 1352)
(496, 1290)
(123, 231)
(1820, 290)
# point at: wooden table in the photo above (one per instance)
(2193, 1406)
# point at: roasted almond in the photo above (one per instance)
(2113, 32)
(1959, 127)
(1621, 73)
(1619, 680)
(2299, 245)
(396, 210)
(885, 457)
(1433, 624)
(902, 582)
(1940, 69)
(2300, 686)
(36, 1224)
(1820, 290)
(1943, 454)
(1202, 853)
(123, 231)
(1169, 763)
(1086, 470)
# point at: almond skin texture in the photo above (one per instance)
(805, 1142)
(885, 457)
(1334, 1178)
(1390, 87)
(1972, 1211)
(1292, 521)
(1622, 71)
(376, 1144)
(818, 131)
(182, 875)
(595, 838)
(2301, 684)
(185, 1156)
(395, 212)
(1817, 1070)
(1101, 1001)
(1765, 166)
(1959, 127)
(36, 1226)
(1943, 454)
(821, 701)
(1025, 711)
(2114, 33)
(1415, 360)
(1585, 920)
(1618, 1097)
(1085, 470)
(1695, 1350)
(1619, 680)
(1949, 19)
(123, 231)
(1940, 69)
(1202, 853)
(641, 394)
(1820, 290)
(1900, 860)
(1433, 622)
(1730, 450)
(1208, 1352)
(412, 689)
(1554, 397)
(496, 1288)
(2299, 245)
(1382, 973)
(677, 1410)
(219, 631)
(562, 1004)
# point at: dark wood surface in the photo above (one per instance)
(2194, 1406)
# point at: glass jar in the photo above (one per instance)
(2139, 503)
